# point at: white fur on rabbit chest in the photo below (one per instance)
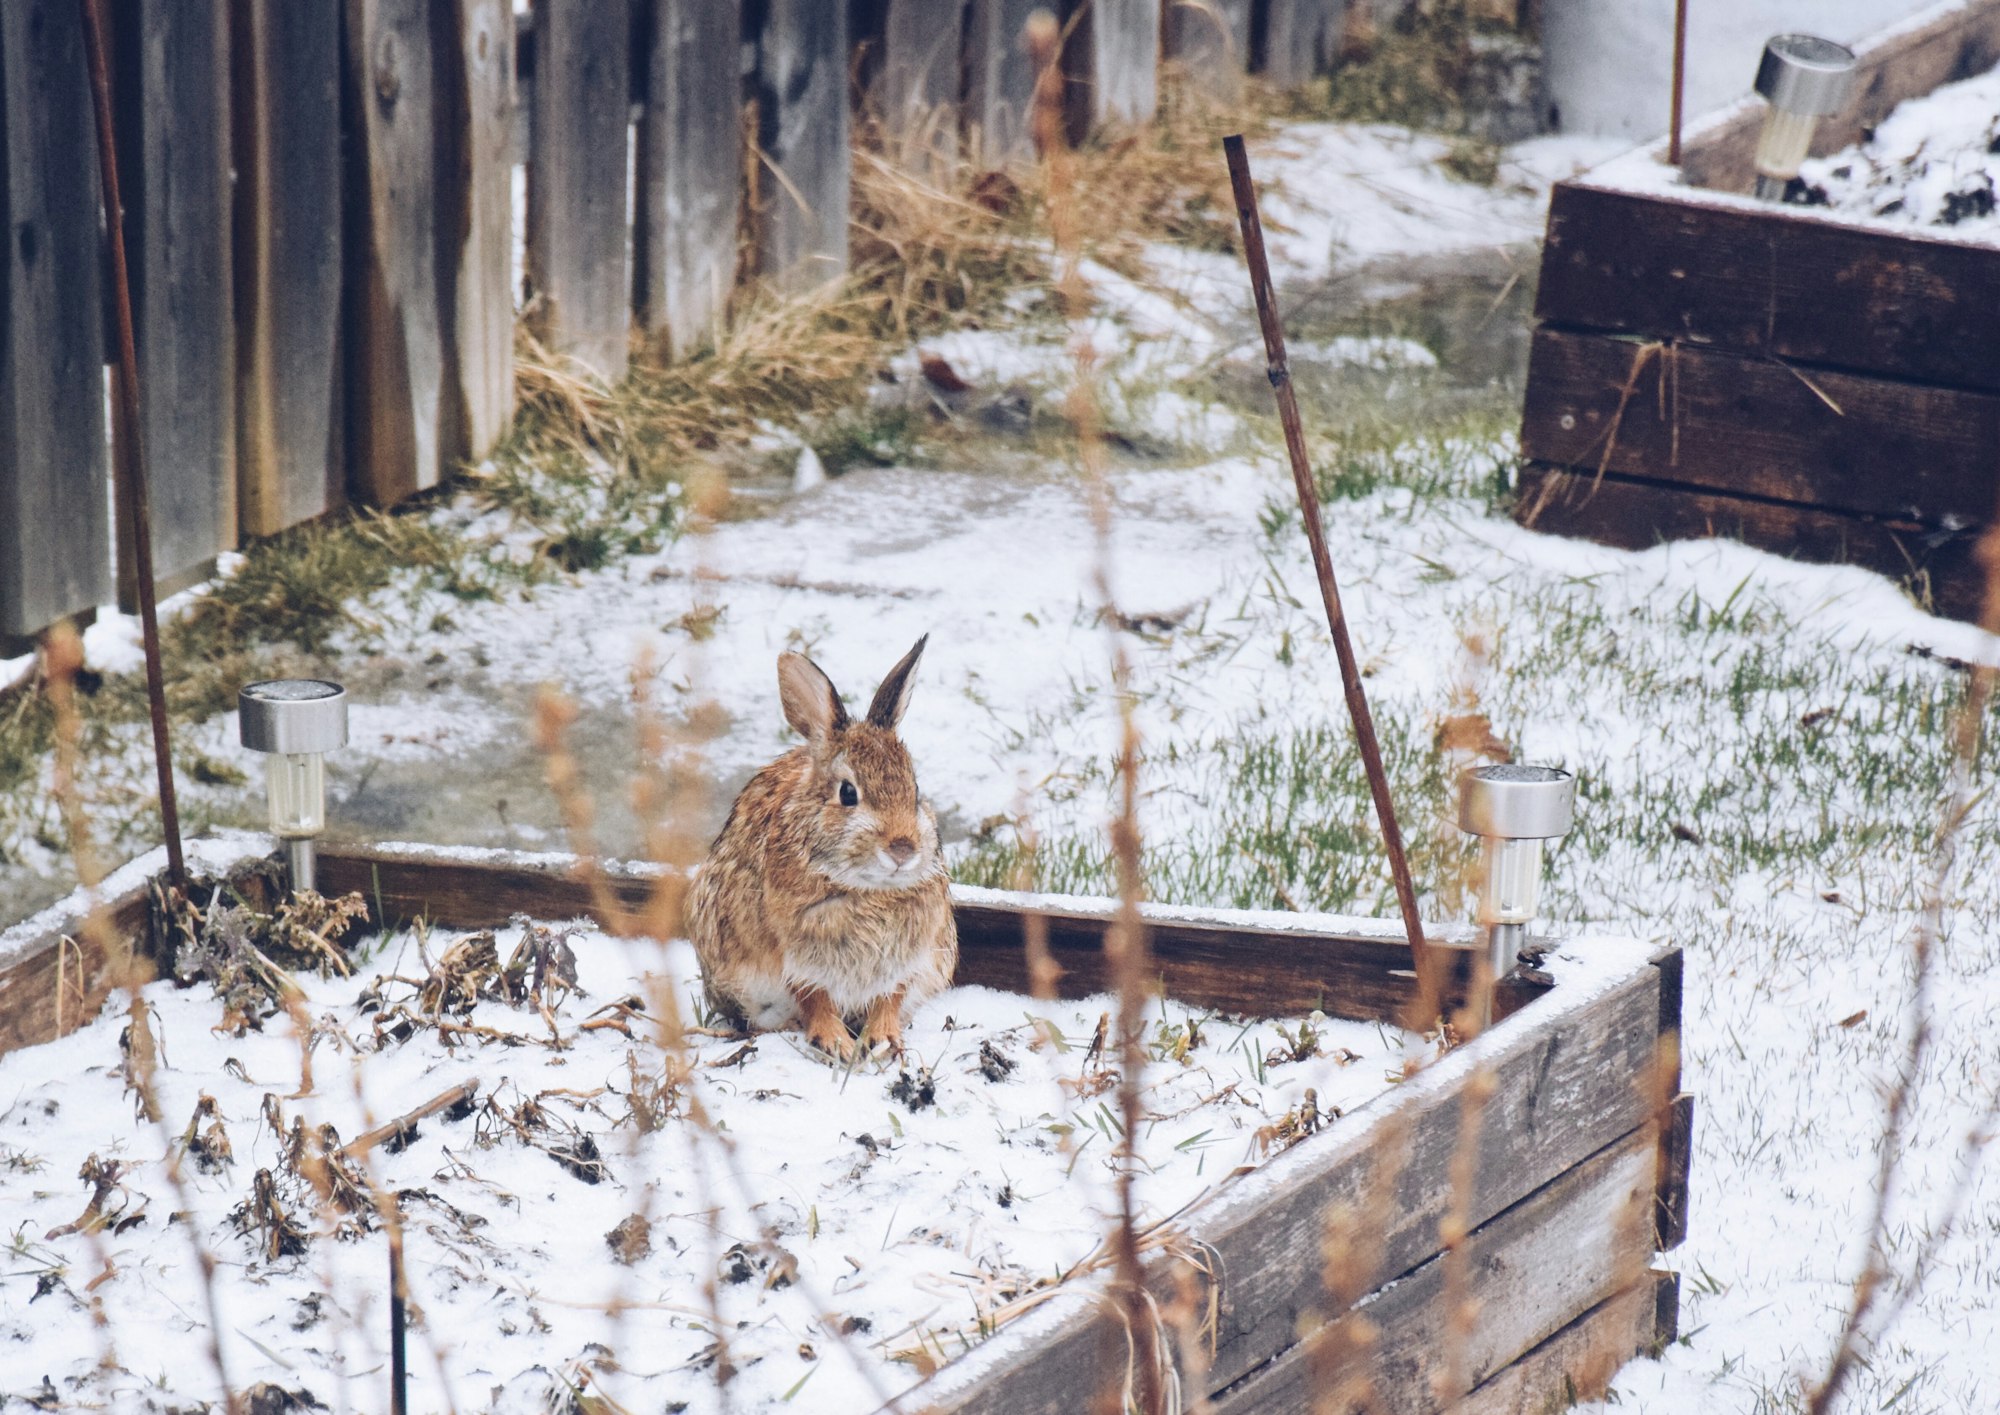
(853, 956)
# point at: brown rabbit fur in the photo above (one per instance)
(825, 899)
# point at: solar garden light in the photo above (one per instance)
(1805, 79)
(295, 722)
(1513, 809)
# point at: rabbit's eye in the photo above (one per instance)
(848, 795)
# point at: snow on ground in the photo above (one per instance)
(868, 1222)
(1932, 162)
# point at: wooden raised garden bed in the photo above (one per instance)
(1581, 1149)
(1824, 387)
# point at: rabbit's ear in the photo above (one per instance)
(812, 704)
(894, 694)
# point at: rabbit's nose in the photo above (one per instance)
(901, 849)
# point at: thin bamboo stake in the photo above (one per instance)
(1679, 82)
(1329, 589)
(133, 481)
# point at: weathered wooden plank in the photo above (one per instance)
(290, 446)
(1566, 1074)
(802, 127)
(1119, 42)
(1670, 1218)
(55, 973)
(1768, 281)
(580, 293)
(690, 173)
(53, 537)
(1296, 40)
(1532, 1270)
(923, 45)
(1210, 41)
(1205, 960)
(1579, 1360)
(1907, 62)
(1616, 510)
(1702, 417)
(431, 380)
(999, 80)
(171, 104)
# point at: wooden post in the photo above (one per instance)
(1000, 80)
(1297, 39)
(54, 558)
(430, 102)
(690, 172)
(289, 437)
(579, 289)
(923, 44)
(1210, 40)
(1113, 54)
(802, 127)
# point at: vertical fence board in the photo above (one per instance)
(430, 110)
(1298, 38)
(54, 557)
(172, 103)
(576, 182)
(289, 443)
(1210, 39)
(802, 125)
(922, 48)
(690, 174)
(1120, 58)
(1000, 79)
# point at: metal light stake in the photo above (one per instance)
(1805, 79)
(1513, 809)
(295, 722)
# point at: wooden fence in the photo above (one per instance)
(322, 229)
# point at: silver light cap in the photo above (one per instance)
(1512, 802)
(292, 715)
(1806, 75)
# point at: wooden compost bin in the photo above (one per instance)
(1582, 1149)
(1824, 387)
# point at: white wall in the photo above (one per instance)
(1609, 62)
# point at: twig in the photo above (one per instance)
(1329, 589)
(133, 482)
(363, 1143)
(1679, 83)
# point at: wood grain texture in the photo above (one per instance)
(579, 288)
(1772, 282)
(1296, 40)
(1620, 511)
(1533, 1269)
(431, 107)
(802, 127)
(1566, 1090)
(999, 80)
(1670, 1219)
(1700, 417)
(1582, 1356)
(58, 979)
(923, 44)
(1210, 41)
(54, 559)
(690, 173)
(290, 443)
(1906, 63)
(1122, 39)
(170, 66)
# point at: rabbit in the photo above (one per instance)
(826, 898)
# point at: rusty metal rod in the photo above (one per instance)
(132, 480)
(1329, 588)
(1679, 83)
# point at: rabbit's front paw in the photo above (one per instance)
(823, 1025)
(885, 1023)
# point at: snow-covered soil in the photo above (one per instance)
(830, 1233)
(1761, 747)
(1932, 162)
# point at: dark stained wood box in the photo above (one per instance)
(1581, 1146)
(1820, 386)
